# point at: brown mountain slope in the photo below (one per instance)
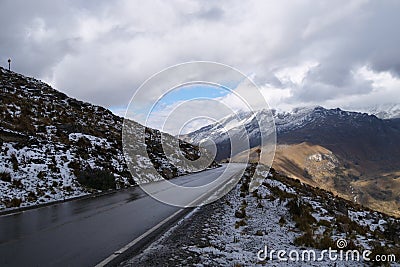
(320, 167)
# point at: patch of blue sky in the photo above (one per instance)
(179, 94)
(191, 92)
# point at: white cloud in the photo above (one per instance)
(302, 52)
(186, 116)
(295, 74)
(277, 98)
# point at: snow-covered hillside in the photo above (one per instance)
(236, 133)
(48, 140)
(383, 111)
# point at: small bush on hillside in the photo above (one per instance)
(325, 242)
(5, 176)
(14, 162)
(68, 188)
(25, 124)
(295, 207)
(75, 166)
(281, 194)
(41, 175)
(18, 183)
(301, 214)
(53, 167)
(31, 196)
(240, 213)
(240, 223)
(391, 231)
(259, 233)
(346, 225)
(282, 221)
(324, 223)
(96, 179)
(13, 203)
(244, 188)
(305, 240)
(84, 143)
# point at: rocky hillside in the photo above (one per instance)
(55, 147)
(363, 139)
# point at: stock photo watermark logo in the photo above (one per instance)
(179, 100)
(340, 253)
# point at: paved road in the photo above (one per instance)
(86, 231)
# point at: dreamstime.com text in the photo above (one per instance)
(311, 255)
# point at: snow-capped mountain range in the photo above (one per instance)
(352, 154)
(383, 111)
(286, 123)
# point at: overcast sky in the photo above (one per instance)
(330, 53)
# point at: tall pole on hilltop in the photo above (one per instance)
(9, 64)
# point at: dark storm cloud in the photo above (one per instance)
(101, 51)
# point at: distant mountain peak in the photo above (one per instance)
(383, 111)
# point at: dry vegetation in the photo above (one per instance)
(319, 167)
(318, 233)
